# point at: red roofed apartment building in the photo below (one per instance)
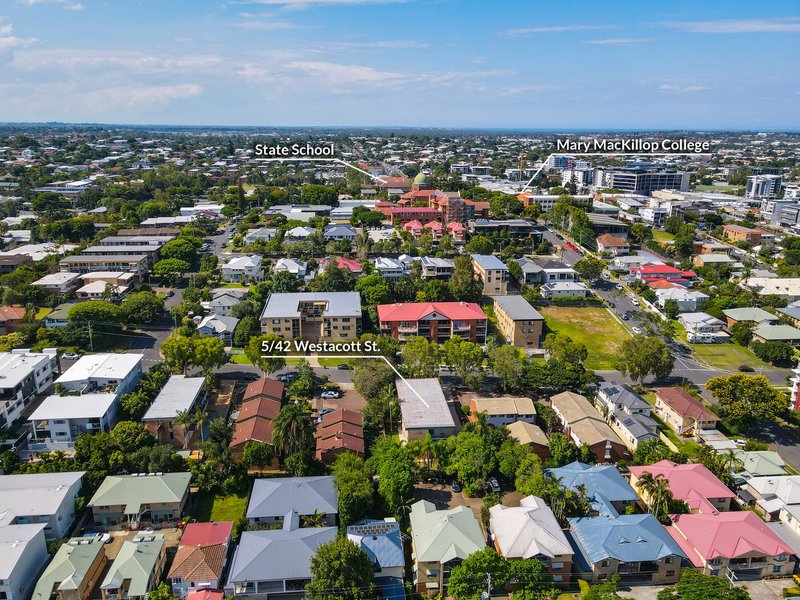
(340, 431)
(737, 233)
(260, 404)
(200, 560)
(437, 321)
(650, 273)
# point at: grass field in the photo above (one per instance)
(725, 189)
(591, 326)
(43, 312)
(726, 356)
(327, 361)
(220, 508)
(662, 236)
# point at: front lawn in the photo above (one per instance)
(729, 356)
(211, 507)
(594, 327)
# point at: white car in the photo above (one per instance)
(634, 301)
(636, 330)
(330, 394)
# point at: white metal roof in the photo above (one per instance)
(86, 406)
(179, 394)
(101, 366)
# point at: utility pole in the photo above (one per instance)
(91, 343)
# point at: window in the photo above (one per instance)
(669, 560)
(671, 573)
(776, 568)
(604, 563)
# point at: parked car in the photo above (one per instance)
(70, 356)
(612, 305)
(331, 394)
(619, 286)
(495, 487)
(325, 411)
(625, 316)
(103, 537)
(343, 367)
(288, 377)
(745, 369)
(634, 301)
(636, 330)
(456, 486)
(169, 294)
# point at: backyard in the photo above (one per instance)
(593, 327)
(211, 507)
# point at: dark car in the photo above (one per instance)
(325, 411)
(493, 485)
(456, 486)
(612, 305)
(625, 316)
(343, 367)
(745, 369)
(288, 377)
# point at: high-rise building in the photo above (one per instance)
(763, 186)
(641, 180)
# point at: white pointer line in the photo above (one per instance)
(386, 360)
(539, 170)
(338, 160)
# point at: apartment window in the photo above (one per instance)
(345, 327)
(604, 563)
(776, 569)
(276, 321)
(671, 573)
(58, 421)
(669, 560)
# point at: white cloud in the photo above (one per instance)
(266, 25)
(148, 95)
(522, 90)
(65, 4)
(672, 87)
(777, 25)
(122, 61)
(553, 29)
(342, 74)
(9, 41)
(382, 44)
(618, 41)
(310, 3)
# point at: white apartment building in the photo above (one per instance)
(23, 374)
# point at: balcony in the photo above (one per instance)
(407, 328)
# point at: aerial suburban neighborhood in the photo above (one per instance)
(279, 320)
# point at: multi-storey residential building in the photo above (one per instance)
(437, 321)
(151, 251)
(59, 283)
(73, 572)
(440, 540)
(654, 216)
(180, 394)
(530, 530)
(763, 186)
(424, 410)
(584, 425)
(332, 316)
(140, 499)
(23, 555)
(272, 500)
(692, 483)
(23, 374)
(683, 412)
(546, 203)
(137, 568)
(242, 269)
(627, 413)
(46, 498)
(737, 233)
(503, 410)
(492, 273)
(519, 323)
(83, 263)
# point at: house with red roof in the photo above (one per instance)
(692, 483)
(613, 244)
(457, 231)
(200, 560)
(684, 413)
(261, 403)
(414, 228)
(206, 594)
(435, 228)
(403, 214)
(735, 541)
(437, 321)
(339, 431)
(344, 263)
(648, 273)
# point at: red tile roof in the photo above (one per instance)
(11, 313)
(414, 311)
(344, 263)
(612, 240)
(198, 563)
(692, 483)
(202, 534)
(683, 403)
(264, 407)
(662, 284)
(256, 429)
(206, 594)
(272, 388)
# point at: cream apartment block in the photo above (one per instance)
(519, 323)
(84, 263)
(492, 273)
(331, 317)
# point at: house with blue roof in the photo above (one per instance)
(382, 542)
(637, 547)
(608, 492)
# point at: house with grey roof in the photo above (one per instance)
(137, 568)
(23, 555)
(607, 491)
(752, 315)
(275, 561)
(140, 499)
(47, 498)
(294, 266)
(382, 542)
(180, 394)
(637, 547)
(271, 500)
(703, 328)
(424, 410)
(627, 413)
(221, 304)
(491, 272)
(73, 572)
(263, 234)
(219, 327)
(766, 332)
(339, 231)
(530, 530)
(440, 539)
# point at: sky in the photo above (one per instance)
(672, 64)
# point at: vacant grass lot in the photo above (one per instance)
(591, 326)
(662, 236)
(220, 508)
(726, 356)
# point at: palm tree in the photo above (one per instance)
(656, 487)
(315, 520)
(200, 418)
(184, 419)
(731, 463)
(292, 430)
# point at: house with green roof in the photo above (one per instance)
(440, 539)
(767, 332)
(137, 568)
(140, 499)
(759, 463)
(74, 570)
(751, 314)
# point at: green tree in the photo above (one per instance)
(465, 358)
(269, 345)
(562, 450)
(468, 578)
(508, 363)
(775, 353)
(421, 357)
(162, 592)
(293, 430)
(640, 233)
(747, 399)
(170, 270)
(354, 486)
(181, 248)
(183, 419)
(671, 309)
(530, 580)
(284, 282)
(563, 349)
(479, 244)
(209, 354)
(340, 569)
(95, 311)
(471, 459)
(589, 268)
(463, 284)
(641, 356)
(374, 289)
(372, 377)
(257, 455)
(319, 194)
(393, 465)
(178, 352)
(695, 585)
(742, 333)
